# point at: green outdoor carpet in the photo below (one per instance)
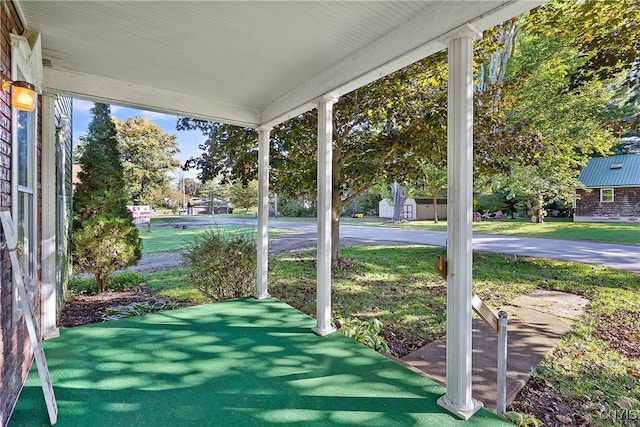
(242, 362)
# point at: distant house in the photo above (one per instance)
(612, 190)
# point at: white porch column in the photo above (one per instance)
(459, 223)
(263, 212)
(325, 151)
(49, 327)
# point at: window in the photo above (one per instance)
(24, 217)
(24, 173)
(606, 195)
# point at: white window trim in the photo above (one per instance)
(602, 190)
(25, 62)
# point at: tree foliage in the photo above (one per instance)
(605, 35)
(381, 132)
(542, 76)
(104, 237)
(434, 181)
(147, 158)
(101, 186)
(104, 244)
(243, 196)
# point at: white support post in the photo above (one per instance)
(325, 152)
(49, 197)
(457, 399)
(263, 212)
(501, 398)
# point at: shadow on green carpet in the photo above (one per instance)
(237, 363)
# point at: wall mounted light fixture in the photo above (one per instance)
(23, 94)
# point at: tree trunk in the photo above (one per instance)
(101, 282)
(539, 210)
(336, 209)
(336, 199)
(397, 195)
(435, 208)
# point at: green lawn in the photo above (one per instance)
(557, 228)
(164, 238)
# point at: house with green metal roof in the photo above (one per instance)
(612, 189)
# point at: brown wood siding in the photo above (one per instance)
(626, 202)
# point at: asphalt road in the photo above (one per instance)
(624, 257)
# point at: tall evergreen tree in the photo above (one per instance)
(101, 189)
(104, 236)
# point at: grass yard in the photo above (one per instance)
(557, 228)
(174, 284)
(163, 238)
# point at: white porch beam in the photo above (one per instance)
(263, 212)
(325, 153)
(458, 398)
(163, 100)
(49, 276)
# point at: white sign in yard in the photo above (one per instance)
(141, 213)
(29, 315)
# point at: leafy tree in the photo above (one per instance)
(191, 187)
(605, 35)
(570, 120)
(147, 157)
(377, 128)
(243, 196)
(381, 132)
(435, 180)
(104, 237)
(213, 191)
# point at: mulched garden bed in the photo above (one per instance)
(85, 309)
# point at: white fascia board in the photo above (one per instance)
(111, 91)
(505, 12)
(409, 44)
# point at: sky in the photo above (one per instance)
(188, 141)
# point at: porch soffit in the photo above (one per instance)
(243, 62)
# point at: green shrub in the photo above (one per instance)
(523, 420)
(136, 309)
(294, 208)
(81, 285)
(364, 331)
(222, 266)
(119, 281)
(125, 280)
(105, 243)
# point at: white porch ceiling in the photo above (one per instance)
(249, 63)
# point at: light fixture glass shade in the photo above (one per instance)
(23, 96)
